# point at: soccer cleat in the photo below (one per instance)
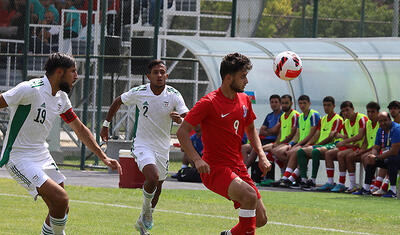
(308, 185)
(389, 194)
(362, 191)
(351, 190)
(276, 183)
(266, 182)
(374, 189)
(285, 183)
(379, 193)
(224, 232)
(339, 188)
(140, 227)
(325, 187)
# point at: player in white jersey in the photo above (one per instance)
(34, 106)
(158, 105)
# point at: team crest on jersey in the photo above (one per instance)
(166, 103)
(244, 111)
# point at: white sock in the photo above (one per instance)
(290, 170)
(304, 180)
(393, 188)
(352, 178)
(147, 198)
(297, 173)
(313, 180)
(46, 229)
(247, 213)
(58, 225)
(330, 180)
(366, 187)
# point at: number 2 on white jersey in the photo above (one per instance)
(236, 125)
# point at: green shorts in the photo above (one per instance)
(327, 146)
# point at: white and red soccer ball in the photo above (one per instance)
(287, 65)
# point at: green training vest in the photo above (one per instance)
(305, 125)
(326, 127)
(353, 130)
(286, 124)
(371, 133)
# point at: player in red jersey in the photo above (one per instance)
(224, 116)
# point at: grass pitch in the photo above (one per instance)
(114, 211)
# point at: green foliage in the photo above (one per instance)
(336, 18)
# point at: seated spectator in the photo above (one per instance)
(7, 11)
(385, 154)
(198, 146)
(47, 5)
(72, 22)
(46, 36)
(18, 19)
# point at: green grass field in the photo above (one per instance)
(114, 211)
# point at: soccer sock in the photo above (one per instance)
(301, 159)
(366, 187)
(378, 181)
(58, 225)
(352, 177)
(342, 178)
(147, 198)
(295, 175)
(184, 166)
(46, 229)
(393, 188)
(314, 180)
(330, 172)
(316, 157)
(385, 185)
(287, 173)
(247, 223)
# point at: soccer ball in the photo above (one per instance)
(287, 65)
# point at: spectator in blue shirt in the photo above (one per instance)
(268, 133)
(385, 154)
(198, 146)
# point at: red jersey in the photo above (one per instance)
(222, 122)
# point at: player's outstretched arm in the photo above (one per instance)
(111, 112)
(3, 102)
(255, 142)
(87, 138)
(183, 134)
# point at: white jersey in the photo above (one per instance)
(33, 111)
(153, 123)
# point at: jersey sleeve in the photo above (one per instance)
(395, 138)
(250, 114)
(199, 112)
(319, 125)
(19, 95)
(295, 120)
(314, 119)
(180, 105)
(129, 97)
(363, 122)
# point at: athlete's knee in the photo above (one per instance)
(249, 197)
(60, 200)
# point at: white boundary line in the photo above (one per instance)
(198, 214)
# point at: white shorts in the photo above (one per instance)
(144, 156)
(32, 175)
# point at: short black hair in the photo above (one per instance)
(154, 63)
(233, 63)
(373, 105)
(394, 104)
(304, 97)
(58, 60)
(275, 96)
(329, 99)
(287, 96)
(346, 104)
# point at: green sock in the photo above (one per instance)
(315, 154)
(302, 161)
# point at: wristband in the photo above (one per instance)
(106, 123)
(291, 143)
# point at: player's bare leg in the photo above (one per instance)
(145, 221)
(243, 193)
(56, 199)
